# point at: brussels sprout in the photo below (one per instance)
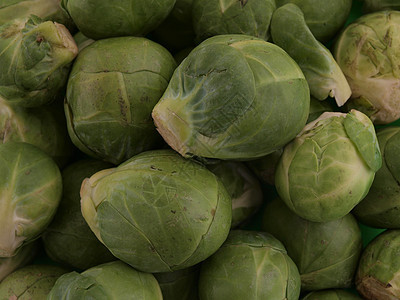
(331, 295)
(30, 191)
(378, 271)
(242, 186)
(24, 256)
(233, 97)
(181, 284)
(68, 239)
(249, 265)
(43, 127)
(35, 57)
(317, 108)
(368, 52)
(380, 207)
(82, 41)
(99, 19)
(32, 282)
(325, 78)
(176, 32)
(329, 167)
(49, 10)
(376, 5)
(114, 280)
(326, 254)
(324, 17)
(157, 211)
(112, 89)
(215, 17)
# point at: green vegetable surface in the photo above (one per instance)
(30, 191)
(114, 280)
(329, 167)
(35, 56)
(157, 211)
(232, 98)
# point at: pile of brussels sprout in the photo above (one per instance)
(190, 149)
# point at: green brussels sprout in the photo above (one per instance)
(113, 280)
(249, 265)
(368, 52)
(317, 108)
(326, 254)
(157, 211)
(378, 271)
(324, 76)
(48, 10)
(329, 167)
(215, 17)
(30, 191)
(176, 32)
(243, 187)
(181, 284)
(324, 17)
(32, 282)
(233, 97)
(331, 295)
(82, 41)
(99, 19)
(377, 5)
(24, 256)
(112, 89)
(68, 239)
(43, 127)
(380, 207)
(35, 57)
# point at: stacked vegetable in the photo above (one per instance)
(189, 149)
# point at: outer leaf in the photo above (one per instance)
(361, 131)
(325, 78)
